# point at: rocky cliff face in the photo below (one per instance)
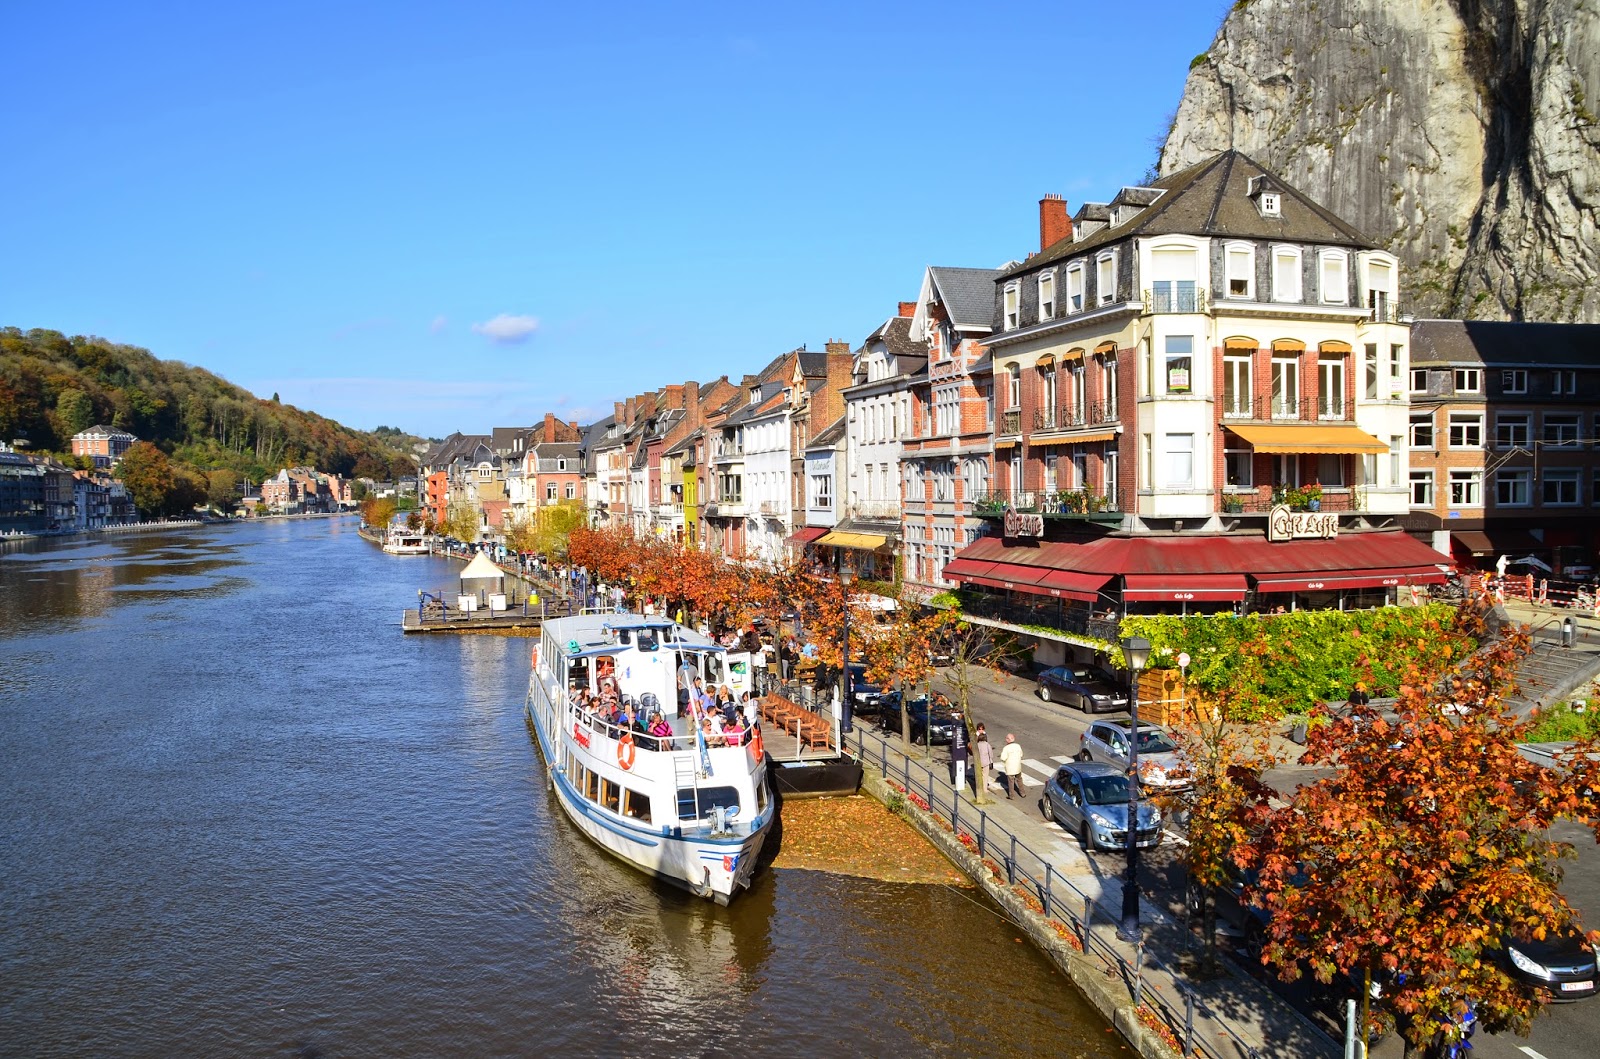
(1461, 134)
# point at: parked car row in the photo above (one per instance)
(1088, 687)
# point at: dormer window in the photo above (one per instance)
(1106, 278)
(1075, 288)
(755, 395)
(1009, 321)
(1047, 296)
(1270, 205)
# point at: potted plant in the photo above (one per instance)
(1313, 496)
(1232, 503)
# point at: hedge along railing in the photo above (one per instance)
(1036, 880)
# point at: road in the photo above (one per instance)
(1049, 734)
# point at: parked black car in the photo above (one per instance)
(865, 693)
(943, 722)
(1089, 688)
(1563, 963)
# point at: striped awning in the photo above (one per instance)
(866, 542)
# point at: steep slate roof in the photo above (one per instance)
(502, 439)
(1501, 343)
(967, 295)
(1212, 198)
(895, 334)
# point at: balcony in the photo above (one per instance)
(1025, 608)
(1011, 422)
(1262, 499)
(1385, 310)
(1167, 299)
(1308, 409)
(1094, 414)
(1080, 504)
(773, 508)
(876, 510)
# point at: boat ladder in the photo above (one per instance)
(686, 774)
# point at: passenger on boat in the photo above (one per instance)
(660, 728)
(711, 729)
(752, 710)
(733, 732)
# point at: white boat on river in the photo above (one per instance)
(680, 807)
(402, 540)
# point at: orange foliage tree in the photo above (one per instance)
(1425, 850)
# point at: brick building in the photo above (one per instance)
(104, 445)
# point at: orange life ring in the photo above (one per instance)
(535, 658)
(755, 744)
(625, 751)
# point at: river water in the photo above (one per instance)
(244, 815)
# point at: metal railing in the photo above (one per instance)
(1011, 421)
(1028, 873)
(1096, 413)
(1173, 299)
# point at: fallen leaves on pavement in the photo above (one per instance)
(858, 836)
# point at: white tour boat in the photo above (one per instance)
(402, 540)
(677, 807)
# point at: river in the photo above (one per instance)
(245, 816)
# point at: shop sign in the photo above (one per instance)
(1286, 525)
(1018, 524)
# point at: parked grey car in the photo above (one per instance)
(1162, 766)
(1091, 801)
(1089, 688)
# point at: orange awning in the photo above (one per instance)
(1294, 438)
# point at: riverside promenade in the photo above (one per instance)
(1070, 902)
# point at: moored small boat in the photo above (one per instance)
(683, 807)
(402, 540)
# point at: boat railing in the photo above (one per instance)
(646, 742)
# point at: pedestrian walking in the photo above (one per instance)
(1011, 766)
(959, 749)
(985, 755)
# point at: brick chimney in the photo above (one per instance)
(618, 410)
(908, 309)
(674, 396)
(549, 427)
(691, 402)
(1054, 222)
(577, 431)
(832, 346)
(628, 408)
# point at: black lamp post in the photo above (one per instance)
(845, 724)
(1136, 649)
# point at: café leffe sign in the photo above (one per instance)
(1286, 525)
(1019, 524)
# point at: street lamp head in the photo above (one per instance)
(846, 576)
(1136, 649)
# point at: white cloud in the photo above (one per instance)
(439, 324)
(507, 328)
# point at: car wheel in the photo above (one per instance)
(1046, 809)
(1082, 755)
(1084, 839)
(1194, 899)
(1044, 692)
(1255, 936)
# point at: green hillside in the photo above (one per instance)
(52, 386)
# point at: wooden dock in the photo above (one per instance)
(526, 618)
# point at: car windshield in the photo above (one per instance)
(1153, 742)
(1105, 790)
(1092, 673)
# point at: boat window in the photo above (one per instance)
(647, 640)
(635, 805)
(591, 785)
(714, 671)
(710, 798)
(610, 795)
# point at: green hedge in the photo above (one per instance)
(1287, 663)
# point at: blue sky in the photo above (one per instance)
(456, 216)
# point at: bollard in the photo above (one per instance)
(1049, 869)
(1011, 863)
(1569, 631)
(1088, 915)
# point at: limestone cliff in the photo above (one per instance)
(1460, 134)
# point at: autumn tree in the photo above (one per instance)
(147, 474)
(1424, 851)
(900, 650)
(461, 521)
(377, 511)
(553, 528)
(222, 489)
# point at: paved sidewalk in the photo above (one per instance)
(1235, 1017)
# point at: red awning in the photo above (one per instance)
(1074, 584)
(805, 535)
(961, 569)
(1144, 588)
(1346, 579)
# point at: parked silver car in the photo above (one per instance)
(1162, 766)
(1091, 801)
